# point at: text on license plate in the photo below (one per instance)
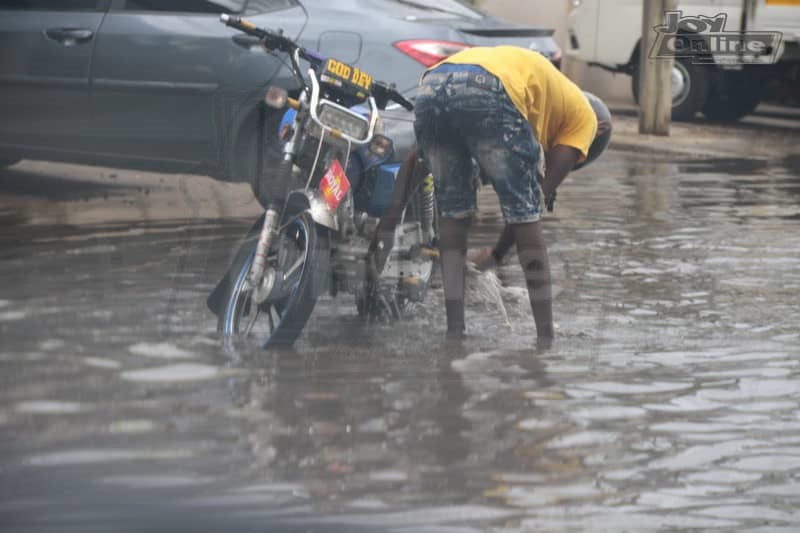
(352, 74)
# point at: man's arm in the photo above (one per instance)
(560, 160)
(411, 173)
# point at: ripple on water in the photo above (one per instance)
(538, 496)
(623, 520)
(723, 476)
(388, 476)
(160, 350)
(89, 456)
(789, 489)
(656, 387)
(429, 517)
(766, 407)
(583, 439)
(172, 373)
(51, 344)
(294, 489)
(50, 407)
(11, 316)
(99, 362)
(519, 479)
(765, 372)
(624, 474)
(610, 412)
(754, 388)
(700, 456)
(692, 427)
(536, 424)
(745, 512)
(558, 368)
(374, 504)
(127, 427)
(685, 404)
(154, 481)
(768, 463)
(642, 311)
(662, 500)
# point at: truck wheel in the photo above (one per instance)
(729, 107)
(690, 85)
(732, 96)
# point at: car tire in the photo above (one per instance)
(689, 91)
(732, 96)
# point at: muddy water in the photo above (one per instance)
(670, 399)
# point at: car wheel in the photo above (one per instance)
(732, 97)
(690, 85)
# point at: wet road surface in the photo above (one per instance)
(670, 399)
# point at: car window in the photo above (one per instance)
(186, 6)
(265, 6)
(53, 5)
(433, 9)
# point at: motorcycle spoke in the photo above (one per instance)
(246, 306)
(271, 321)
(291, 270)
(252, 322)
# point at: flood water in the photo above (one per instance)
(669, 400)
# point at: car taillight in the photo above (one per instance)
(429, 52)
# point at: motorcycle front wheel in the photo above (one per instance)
(301, 249)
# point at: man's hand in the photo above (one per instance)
(560, 161)
(550, 201)
(483, 259)
(375, 303)
(377, 254)
(487, 258)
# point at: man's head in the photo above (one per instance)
(603, 136)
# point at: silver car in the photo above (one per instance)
(162, 85)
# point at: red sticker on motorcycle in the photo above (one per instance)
(334, 185)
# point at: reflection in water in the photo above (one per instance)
(668, 401)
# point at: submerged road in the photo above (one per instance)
(670, 399)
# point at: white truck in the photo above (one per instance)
(727, 52)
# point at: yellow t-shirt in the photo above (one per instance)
(556, 108)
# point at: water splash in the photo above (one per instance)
(486, 288)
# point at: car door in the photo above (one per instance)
(167, 75)
(45, 64)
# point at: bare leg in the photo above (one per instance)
(535, 264)
(453, 250)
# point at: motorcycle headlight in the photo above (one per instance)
(344, 120)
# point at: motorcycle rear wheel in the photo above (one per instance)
(278, 323)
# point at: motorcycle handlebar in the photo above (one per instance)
(271, 40)
(242, 25)
(383, 92)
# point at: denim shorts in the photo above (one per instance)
(464, 117)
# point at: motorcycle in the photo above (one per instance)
(323, 201)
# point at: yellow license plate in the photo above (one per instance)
(348, 74)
